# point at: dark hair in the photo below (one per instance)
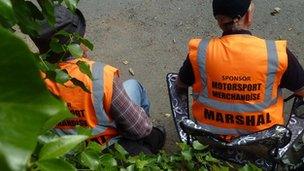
(65, 20)
(230, 8)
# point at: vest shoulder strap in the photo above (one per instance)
(98, 92)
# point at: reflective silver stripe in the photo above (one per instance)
(98, 129)
(98, 94)
(273, 64)
(202, 51)
(223, 131)
(272, 69)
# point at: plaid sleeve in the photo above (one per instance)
(130, 119)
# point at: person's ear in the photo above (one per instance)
(249, 15)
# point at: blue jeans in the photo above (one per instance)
(137, 94)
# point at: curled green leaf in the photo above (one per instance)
(75, 50)
(58, 75)
(87, 43)
(85, 68)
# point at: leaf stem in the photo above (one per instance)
(44, 63)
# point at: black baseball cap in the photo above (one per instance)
(230, 8)
(65, 20)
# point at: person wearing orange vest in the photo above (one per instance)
(116, 111)
(237, 79)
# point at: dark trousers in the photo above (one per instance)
(151, 144)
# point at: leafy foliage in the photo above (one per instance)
(25, 13)
(55, 164)
(26, 105)
(59, 146)
(28, 17)
(195, 157)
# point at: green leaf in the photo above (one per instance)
(200, 158)
(83, 131)
(53, 121)
(187, 155)
(131, 167)
(6, 11)
(121, 151)
(62, 76)
(47, 7)
(63, 33)
(224, 168)
(94, 146)
(219, 168)
(43, 65)
(58, 75)
(190, 165)
(8, 24)
(140, 164)
(60, 146)
(75, 50)
(56, 46)
(80, 84)
(47, 137)
(203, 169)
(249, 167)
(24, 17)
(55, 164)
(209, 158)
(71, 4)
(87, 43)
(4, 163)
(90, 159)
(25, 103)
(107, 160)
(198, 146)
(183, 146)
(85, 68)
(35, 12)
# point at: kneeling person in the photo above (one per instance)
(116, 111)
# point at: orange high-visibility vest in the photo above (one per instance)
(90, 109)
(236, 88)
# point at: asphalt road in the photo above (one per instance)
(152, 35)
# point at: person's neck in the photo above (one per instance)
(236, 31)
